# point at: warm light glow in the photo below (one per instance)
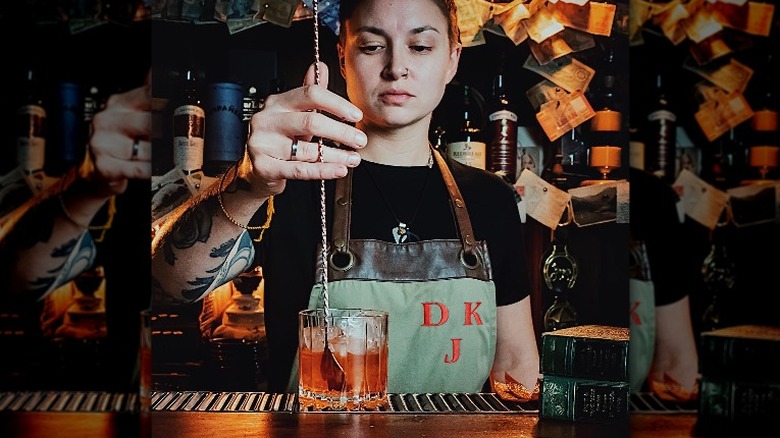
(605, 156)
(764, 120)
(764, 156)
(606, 120)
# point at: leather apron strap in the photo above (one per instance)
(473, 255)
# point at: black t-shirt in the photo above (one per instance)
(654, 220)
(382, 196)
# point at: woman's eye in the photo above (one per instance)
(371, 48)
(421, 49)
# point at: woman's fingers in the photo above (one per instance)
(120, 142)
(133, 124)
(312, 98)
(282, 143)
(305, 125)
(276, 170)
(308, 151)
(138, 99)
(115, 169)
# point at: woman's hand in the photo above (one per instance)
(282, 144)
(121, 140)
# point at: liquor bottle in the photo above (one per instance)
(574, 152)
(502, 129)
(466, 144)
(661, 131)
(636, 147)
(225, 129)
(718, 276)
(27, 176)
(189, 126)
(31, 125)
(763, 133)
(554, 174)
(66, 137)
(725, 161)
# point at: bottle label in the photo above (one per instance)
(503, 115)
(636, 154)
(471, 153)
(30, 152)
(188, 137)
(502, 155)
(662, 115)
(250, 106)
(30, 137)
(660, 152)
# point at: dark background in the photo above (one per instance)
(115, 57)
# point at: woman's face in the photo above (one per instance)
(397, 60)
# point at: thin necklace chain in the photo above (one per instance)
(323, 222)
(387, 203)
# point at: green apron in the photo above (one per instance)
(439, 295)
(641, 345)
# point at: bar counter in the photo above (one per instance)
(234, 414)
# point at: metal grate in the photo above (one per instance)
(200, 401)
(649, 403)
(67, 401)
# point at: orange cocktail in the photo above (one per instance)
(352, 373)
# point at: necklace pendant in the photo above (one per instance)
(399, 233)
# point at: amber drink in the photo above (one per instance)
(352, 373)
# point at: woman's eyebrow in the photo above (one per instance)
(377, 31)
(422, 29)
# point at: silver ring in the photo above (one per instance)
(136, 148)
(407, 72)
(294, 149)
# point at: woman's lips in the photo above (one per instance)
(395, 97)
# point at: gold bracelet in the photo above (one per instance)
(269, 209)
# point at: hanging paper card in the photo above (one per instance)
(542, 201)
(593, 17)
(754, 203)
(700, 201)
(542, 25)
(566, 72)
(594, 204)
(730, 76)
(560, 117)
(544, 92)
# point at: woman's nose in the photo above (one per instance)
(396, 67)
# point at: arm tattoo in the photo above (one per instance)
(238, 256)
(194, 227)
(79, 255)
(235, 255)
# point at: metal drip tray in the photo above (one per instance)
(67, 401)
(207, 401)
(204, 401)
